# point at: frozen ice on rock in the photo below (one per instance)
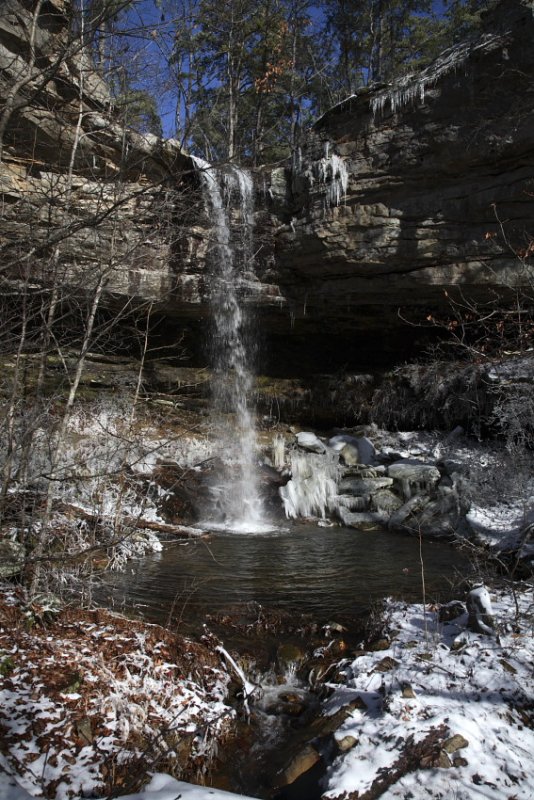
(414, 476)
(480, 611)
(312, 489)
(411, 89)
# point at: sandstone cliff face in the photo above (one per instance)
(81, 195)
(439, 191)
(403, 193)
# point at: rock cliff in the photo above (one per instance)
(81, 194)
(404, 197)
(411, 194)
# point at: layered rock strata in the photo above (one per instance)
(411, 195)
(406, 196)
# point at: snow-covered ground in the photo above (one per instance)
(89, 699)
(161, 787)
(436, 711)
(442, 712)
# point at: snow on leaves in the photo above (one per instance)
(92, 698)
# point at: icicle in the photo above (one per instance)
(331, 172)
(279, 452)
(412, 88)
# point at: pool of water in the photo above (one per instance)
(329, 573)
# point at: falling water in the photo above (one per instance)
(229, 199)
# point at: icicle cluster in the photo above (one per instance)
(313, 484)
(331, 172)
(278, 451)
(412, 88)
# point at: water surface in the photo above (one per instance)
(329, 573)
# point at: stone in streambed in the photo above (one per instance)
(414, 477)
(437, 516)
(385, 501)
(362, 520)
(360, 450)
(363, 486)
(309, 441)
(299, 764)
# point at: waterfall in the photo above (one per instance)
(228, 197)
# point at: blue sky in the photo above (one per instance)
(152, 55)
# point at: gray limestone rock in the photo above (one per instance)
(414, 477)
(309, 441)
(358, 449)
(440, 515)
(363, 486)
(369, 519)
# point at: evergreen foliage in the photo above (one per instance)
(245, 76)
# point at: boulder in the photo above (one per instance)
(363, 520)
(385, 501)
(364, 486)
(438, 516)
(299, 764)
(354, 449)
(348, 502)
(311, 442)
(350, 455)
(414, 477)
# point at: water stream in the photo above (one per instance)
(268, 596)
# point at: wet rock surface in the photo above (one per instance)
(406, 494)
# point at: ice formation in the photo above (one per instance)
(412, 88)
(313, 485)
(331, 172)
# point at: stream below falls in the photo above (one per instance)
(268, 598)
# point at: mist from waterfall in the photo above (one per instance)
(229, 202)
